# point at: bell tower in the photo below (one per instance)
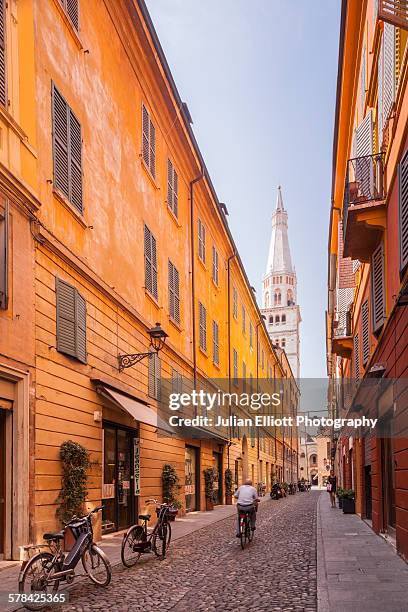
(279, 290)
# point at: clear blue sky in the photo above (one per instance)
(259, 78)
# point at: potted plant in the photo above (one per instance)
(210, 476)
(340, 496)
(349, 504)
(171, 486)
(228, 480)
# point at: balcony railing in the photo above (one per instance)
(364, 201)
(394, 12)
(342, 324)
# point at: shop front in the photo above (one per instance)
(192, 485)
(121, 484)
(217, 464)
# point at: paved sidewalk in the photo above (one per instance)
(111, 544)
(357, 571)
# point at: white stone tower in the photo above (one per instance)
(279, 299)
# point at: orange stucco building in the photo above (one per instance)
(110, 224)
(367, 315)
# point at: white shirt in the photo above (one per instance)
(246, 495)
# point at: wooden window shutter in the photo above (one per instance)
(389, 70)
(380, 118)
(152, 164)
(150, 262)
(67, 150)
(356, 357)
(172, 188)
(154, 375)
(235, 366)
(71, 321)
(365, 332)
(145, 136)
(216, 352)
(203, 327)
(4, 251)
(378, 288)
(174, 293)
(403, 210)
(60, 142)
(72, 12)
(243, 320)
(3, 56)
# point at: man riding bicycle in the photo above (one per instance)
(247, 499)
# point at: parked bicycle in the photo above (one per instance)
(245, 532)
(138, 541)
(43, 573)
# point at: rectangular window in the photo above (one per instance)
(216, 344)
(71, 321)
(365, 332)
(71, 9)
(235, 367)
(201, 241)
(203, 327)
(154, 375)
(148, 141)
(251, 335)
(172, 188)
(4, 253)
(3, 55)
(243, 320)
(235, 303)
(377, 288)
(215, 265)
(150, 255)
(174, 293)
(403, 210)
(67, 150)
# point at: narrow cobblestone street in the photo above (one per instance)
(207, 570)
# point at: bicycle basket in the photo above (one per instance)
(73, 531)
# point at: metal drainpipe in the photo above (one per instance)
(230, 258)
(192, 183)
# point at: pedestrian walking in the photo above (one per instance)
(332, 487)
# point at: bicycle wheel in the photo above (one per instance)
(160, 541)
(131, 545)
(250, 533)
(242, 531)
(37, 578)
(168, 535)
(96, 565)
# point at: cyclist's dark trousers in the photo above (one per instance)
(252, 515)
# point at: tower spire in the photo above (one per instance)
(279, 259)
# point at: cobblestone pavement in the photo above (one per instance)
(207, 570)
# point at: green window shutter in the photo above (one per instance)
(378, 288)
(75, 150)
(403, 211)
(174, 293)
(154, 375)
(67, 150)
(80, 327)
(202, 326)
(150, 255)
(3, 55)
(60, 133)
(71, 321)
(4, 251)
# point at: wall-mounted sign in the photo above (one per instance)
(136, 464)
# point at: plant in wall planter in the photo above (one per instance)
(171, 486)
(228, 486)
(349, 504)
(210, 476)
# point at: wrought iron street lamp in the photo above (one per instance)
(157, 339)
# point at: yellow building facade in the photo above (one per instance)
(115, 225)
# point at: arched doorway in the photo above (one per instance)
(244, 458)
